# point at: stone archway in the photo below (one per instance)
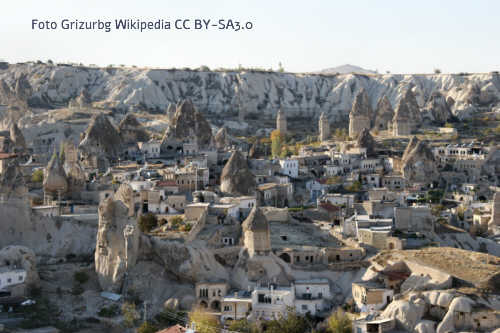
(203, 304)
(285, 257)
(215, 305)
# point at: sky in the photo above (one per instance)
(384, 35)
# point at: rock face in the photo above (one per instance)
(383, 114)
(495, 212)
(220, 92)
(324, 127)
(189, 125)
(17, 138)
(407, 115)
(365, 140)
(418, 164)
(401, 122)
(236, 177)
(12, 180)
(438, 108)
(101, 140)
(361, 114)
(117, 245)
(257, 150)
(82, 101)
(281, 122)
(21, 257)
(55, 181)
(23, 88)
(131, 131)
(257, 233)
(222, 139)
(406, 313)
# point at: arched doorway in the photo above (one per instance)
(215, 305)
(285, 257)
(203, 304)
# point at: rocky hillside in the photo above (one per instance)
(52, 86)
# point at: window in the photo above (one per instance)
(227, 308)
(320, 295)
(20, 278)
(304, 307)
(9, 280)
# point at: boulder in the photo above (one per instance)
(185, 262)
(418, 282)
(171, 304)
(189, 125)
(459, 304)
(21, 257)
(406, 313)
(236, 177)
(438, 298)
(425, 326)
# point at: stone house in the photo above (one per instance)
(211, 294)
(368, 325)
(150, 149)
(394, 182)
(310, 295)
(12, 280)
(276, 195)
(236, 305)
(272, 302)
(371, 296)
(289, 167)
(413, 219)
(376, 237)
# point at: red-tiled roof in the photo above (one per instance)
(4, 156)
(174, 329)
(329, 207)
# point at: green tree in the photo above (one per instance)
(355, 187)
(130, 314)
(339, 322)
(244, 326)
(37, 176)
(291, 323)
(147, 222)
(204, 321)
(277, 140)
(176, 222)
(147, 327)
(281, 69)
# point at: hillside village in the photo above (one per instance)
(384, 216)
